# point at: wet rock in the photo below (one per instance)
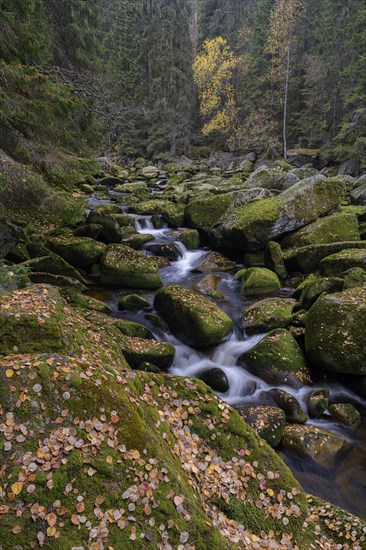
(259, 280)
(216, 379)
(111, 232)
(268, 314)
(214, 261)
(289, 404)
(268, 422)
(155, 320)
(317, 402)
(339, 227)
(167, 250)
(335, 332)
(125, 220)
(336, 264)
(319, 445)
(123, 266)
(192, 317)
(189, 237)
(307, 258)
(250, 227)
(138, 350)
(346, 413)
(278, 359)
(132, 302)
(129, 328)
(273, 259)
(77, 251)
(172, 213)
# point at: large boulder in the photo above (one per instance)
(192, 317)
(202, 214)
(272, 178)
(123, 266)
(278, 359)
(331, 229)
(307, 258)
(111, 232)
(250, 227)
(358, 195)
(335, 332)
(138, 350)
(77, 251)
(335, 264)
(268, 422)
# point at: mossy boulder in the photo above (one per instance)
(330, 229)
(272, 178)
(32, 321)
(62, 281)
(335, 264)
(137, 240)
(189, 237)
(307, 258)
(77, 251)
(315, 286)
(335, 332)
(289, 404)
(268, 314)
(259, 280)
(111, 232)
(319, 445)
(317, 402)
(250, 227)
(273, 259)
(92, 231)
(268, 422)
(192, 317)
(277, 359)
(356, 276)
(125, 220)
(346, 413)
(138, 350)
(358, 195)
(172, 213)
(214, 261)
(54, 264)
(123, 266)
(132, 302)
(107, 208)
(202, 214)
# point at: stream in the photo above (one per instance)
(344, 482)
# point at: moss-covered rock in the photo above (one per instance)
(125, 220)
(315, 443)
(92, 231)
(259, 280)
(289, 404)
(307, 258)
(273, 178)
(111, 232)
(189, 237)
(250, 227)
(273, 259)
(107, 208)
(315, 286)
(335, 264)
(335, 332)
(62, 281)
(202, 214)
(346, 413)
(110, 181)
(123, 266)
(330, 229)
(278, 359)
(172, 213)
(192, 317)
(53, 263)
(132, 302)
(31, 321)
(356, 276)
(268, 314)
(77, 251)
(137, 240)
(268, 422)
(317, 402)
(214, 261)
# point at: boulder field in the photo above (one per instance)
(95, 454)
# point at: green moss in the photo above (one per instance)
(124, 266)
(259, 280)
(268, 314)
(202, 214)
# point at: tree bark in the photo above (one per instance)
(285, 105)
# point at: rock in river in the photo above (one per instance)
(192, 317)
(123, 266)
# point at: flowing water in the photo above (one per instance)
(343, 483)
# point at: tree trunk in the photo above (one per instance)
(285, 105)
